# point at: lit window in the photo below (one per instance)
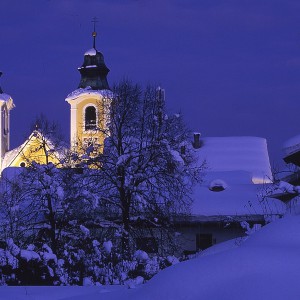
(90, 118)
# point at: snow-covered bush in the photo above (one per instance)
(84, 261)
(250, 230)
(28, 266)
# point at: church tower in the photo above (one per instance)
(6, 104)
(90, 102)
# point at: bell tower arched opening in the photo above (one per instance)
(90, 118)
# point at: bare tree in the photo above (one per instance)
(146, 169)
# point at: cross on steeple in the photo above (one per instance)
(95, 20)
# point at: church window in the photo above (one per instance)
(90, 118)
(5, 122)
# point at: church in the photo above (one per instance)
(230, 193)
(89, 116)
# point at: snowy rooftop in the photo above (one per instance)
(91, 52)
(10, 156)
(8, 100)
(227, 154)
(234, 200)
(237, 169)
(5, 97)
(88, 91)
(292, 145)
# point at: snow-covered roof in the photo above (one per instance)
(235, 200)
(91, 52)
(5, 97)
(89, 91)
(228, 154)
(292, 145)
(91, 66)
(241, 165)
(10, 156)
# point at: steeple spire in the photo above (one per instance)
(94, 32)
(93, 70)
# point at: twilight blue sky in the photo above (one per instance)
(231, 67)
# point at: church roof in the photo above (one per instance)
(91, 52)
(5, 97)
(89, 91)
(94, 70)
(11, 156)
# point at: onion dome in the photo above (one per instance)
(93, 70)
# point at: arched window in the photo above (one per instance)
(4, 122)
(90, 118)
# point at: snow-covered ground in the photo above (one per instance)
(56, 293)
(264, 266)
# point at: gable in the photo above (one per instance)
(36, 148)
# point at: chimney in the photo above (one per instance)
(197, 143)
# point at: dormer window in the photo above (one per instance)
(218, 185)
(90, 118)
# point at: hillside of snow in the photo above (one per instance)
(264, 266)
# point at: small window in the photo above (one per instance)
(22, 164)
(217, 185)
(90, 118)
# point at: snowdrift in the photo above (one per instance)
(265, 266)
